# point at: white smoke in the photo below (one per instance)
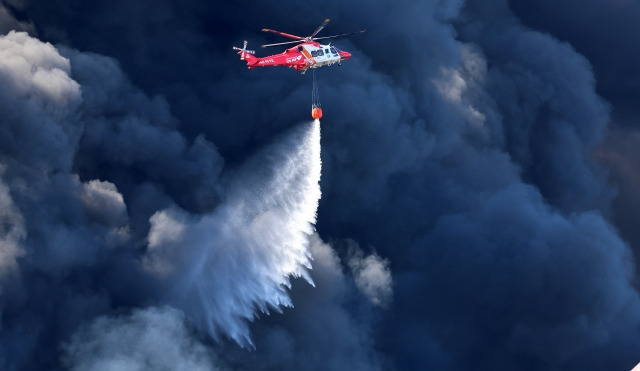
(227, 265)
(372, 276)
(38, 101)
(103, 203)
(149, 339)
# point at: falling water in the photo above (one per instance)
(228, 266)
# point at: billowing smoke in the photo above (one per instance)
(149, 339)
(372, 276)
(221, 268)
(139, 155)
(12, 235)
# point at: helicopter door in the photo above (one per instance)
(319, 56)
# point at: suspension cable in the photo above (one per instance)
(315, 95)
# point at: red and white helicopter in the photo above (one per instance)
(309, 54)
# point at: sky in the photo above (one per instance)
(469, 199)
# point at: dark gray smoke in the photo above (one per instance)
(606, 36)
(85, 249)
(469, 223)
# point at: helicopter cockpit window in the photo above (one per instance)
(334, 50)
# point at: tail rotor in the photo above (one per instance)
(244, 51)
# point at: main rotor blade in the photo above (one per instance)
(283, 34)
(324, 23)
(341, 35)
(284, 43)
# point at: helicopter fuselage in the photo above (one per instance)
(300, 57)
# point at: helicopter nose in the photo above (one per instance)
(344, 55)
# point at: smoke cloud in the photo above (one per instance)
(148, 339)
(372, 276)
(221, 268)
(613, 52)
(143, 165)
(13, 233)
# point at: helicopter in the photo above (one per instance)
(308, 54)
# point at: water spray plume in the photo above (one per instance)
(232, 264)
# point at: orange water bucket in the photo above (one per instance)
(316, 112)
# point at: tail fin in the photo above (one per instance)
(251, 59)
(247, 55)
